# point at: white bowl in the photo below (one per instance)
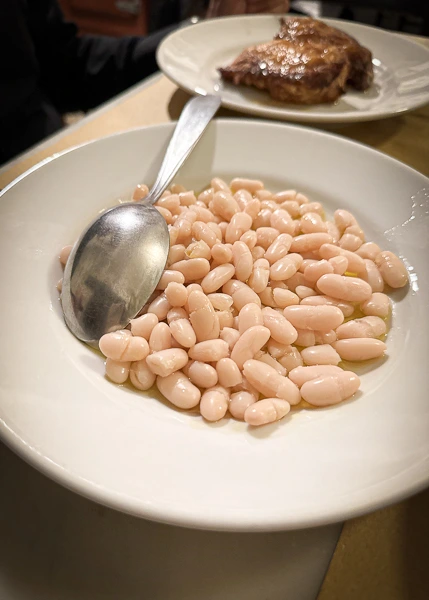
(191, 57)
(135, 453)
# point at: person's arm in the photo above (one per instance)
(80, 72)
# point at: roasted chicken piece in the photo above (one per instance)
(309, 62)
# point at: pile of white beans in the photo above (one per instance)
(260, 301)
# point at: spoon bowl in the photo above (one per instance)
(112, 272)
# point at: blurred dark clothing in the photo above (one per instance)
(166, 12)
(46, 69)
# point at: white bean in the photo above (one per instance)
(214, 280)
(266, 235)
(266, 411)
(323, 354)
(201, 374)
(378, 305)
(243, 296)
(214, 403)
(175, 313)
(267, 381)
(224, 205)
(159, 307)
(122, 346)
(117, 371)
(64, 254)
(283, 298)
(230, 336)
(193, 269)
(303, 291)
(373, 276)
(251, 185)
(311, 207)
(201, 231)
(330, 389)
(350, 289)
(369, 250)
(166, 362)
(312, 222)
(183, 332)
(282, 221)
(272, 362)
(285, 196)
(260, 275)
(346, 308)
(308, 242)
(142, 326)
(179, 390)
(300, 375)
(250, 238)
(176, 294)
(238, 404)
(240, 223)
(242, 260)
(355, 262)
(279, 248)
(187, 198)
(291, 359)
(221, 254)
(209, 351)
(219, 184)
(140, 192)
(343, 219)
(286, 267)
(350, 242)
(325, 337)
(203, 317)
(170, 276)
(141, 376)
(228, 372)
(160, 338)
(280, 328)
(305, 338)
(226, 318)
(198, 250)
(176, 254)
(357, 349)
(366, 327)
(315, 318)
(339, 264)
(392, 269)
(220, 301)
(249, 343)
(249, 316)
(315, 270)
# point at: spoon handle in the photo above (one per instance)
(193, 121)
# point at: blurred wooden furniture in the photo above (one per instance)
(108, 17)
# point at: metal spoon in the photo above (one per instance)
(118, 260)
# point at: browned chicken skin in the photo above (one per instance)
(309, 62)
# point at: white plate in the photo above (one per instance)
(190, 57)
(132, 451)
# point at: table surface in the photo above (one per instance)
(383, 555)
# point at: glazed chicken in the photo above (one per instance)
(308, 62)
